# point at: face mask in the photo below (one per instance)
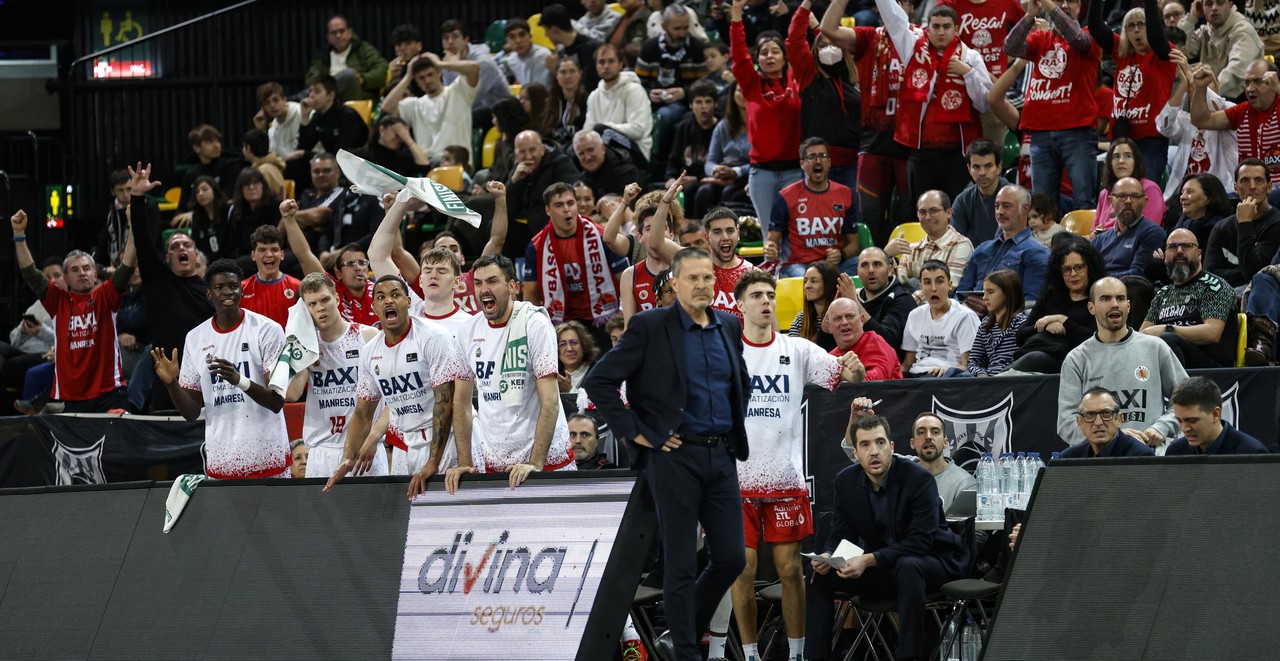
(830, 55)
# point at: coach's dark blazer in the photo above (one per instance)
(650, 360)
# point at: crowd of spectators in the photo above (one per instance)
(1092, 184)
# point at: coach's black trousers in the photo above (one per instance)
(695, 485)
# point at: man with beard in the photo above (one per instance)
(512, 347)
(1128, 245)
(584, 434)
(1196, 315)
(869, 356)
(330, 383)
(722, 242)
(929, 440)
(1243, 244)
(225, 365)
(815, 215)
(886, 301)
(1138, 367)
(414, 364)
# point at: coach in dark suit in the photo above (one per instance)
(688, 388)
(889, 506)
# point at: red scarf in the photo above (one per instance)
(927, 72)
(882, 72)
(599, 280)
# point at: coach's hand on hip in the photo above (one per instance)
(671, 444)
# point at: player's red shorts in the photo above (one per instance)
(783, 519)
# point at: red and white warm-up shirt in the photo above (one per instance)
(87, 354)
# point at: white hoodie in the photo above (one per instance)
(624, 108)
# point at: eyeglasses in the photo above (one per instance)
(930, 212)
(1140, 25)
(1128, 197)
(1107, 415)
(817, 157)
(1072, 270)
(568, 343)
(1174, 247)
(356, 263)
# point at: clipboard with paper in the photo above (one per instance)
(844, 552)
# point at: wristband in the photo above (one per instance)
(19, 239)
(244, 383)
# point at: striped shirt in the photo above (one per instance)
(952, 248)
(993, 348)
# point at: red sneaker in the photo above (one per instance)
(633, 650)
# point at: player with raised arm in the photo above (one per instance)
(512, 346)
(330, 384)
(222, 363)
(775, 496)
(413, 364)
(350, 269)
(722, 237)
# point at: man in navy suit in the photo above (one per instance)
(889, 506)
(1197, 405)
(688, 388)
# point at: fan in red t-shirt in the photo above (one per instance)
(269, 292)
(87, 371)
(350, 269)
(1256, 123)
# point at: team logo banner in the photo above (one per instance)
(492, 574)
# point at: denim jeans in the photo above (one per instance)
(1074, 151)
(1264, 298)
(764, 185)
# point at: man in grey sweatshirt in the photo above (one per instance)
(1142, 372)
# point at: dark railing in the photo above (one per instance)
(211, 58)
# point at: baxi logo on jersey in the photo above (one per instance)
(973, 432)
(341, 376)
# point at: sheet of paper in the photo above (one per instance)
(844, 551)
(834, 561)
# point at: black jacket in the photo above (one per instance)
(915, 526)
(1234, 441)
(650, 360)
(524, 197)
(340, 128)
(180, 303)
(889, 313)
(614, 175)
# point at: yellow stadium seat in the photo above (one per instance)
(364, 109)
(449, 176)
(617, 6)
(1080, 221)
(538, 33)
(848, 22)
(912, 232)
(515, 90)
(1242, 338)
(171, 198)
(490, 142)
(750, 251)
(790, 301)
(290, 187)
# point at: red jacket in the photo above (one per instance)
(773, 106)
(879, 358)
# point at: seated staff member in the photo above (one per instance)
(1099, 419)
(1197, 405)
(889, 507)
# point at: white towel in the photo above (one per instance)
(301, 348)
(371, 179)
(179, 494)
(513, 374)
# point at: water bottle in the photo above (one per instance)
(1055, 455)
(988, 487)
(971, 641)
(1008, 478)
(1020, 476)
(1032, 470)
(951, 643)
